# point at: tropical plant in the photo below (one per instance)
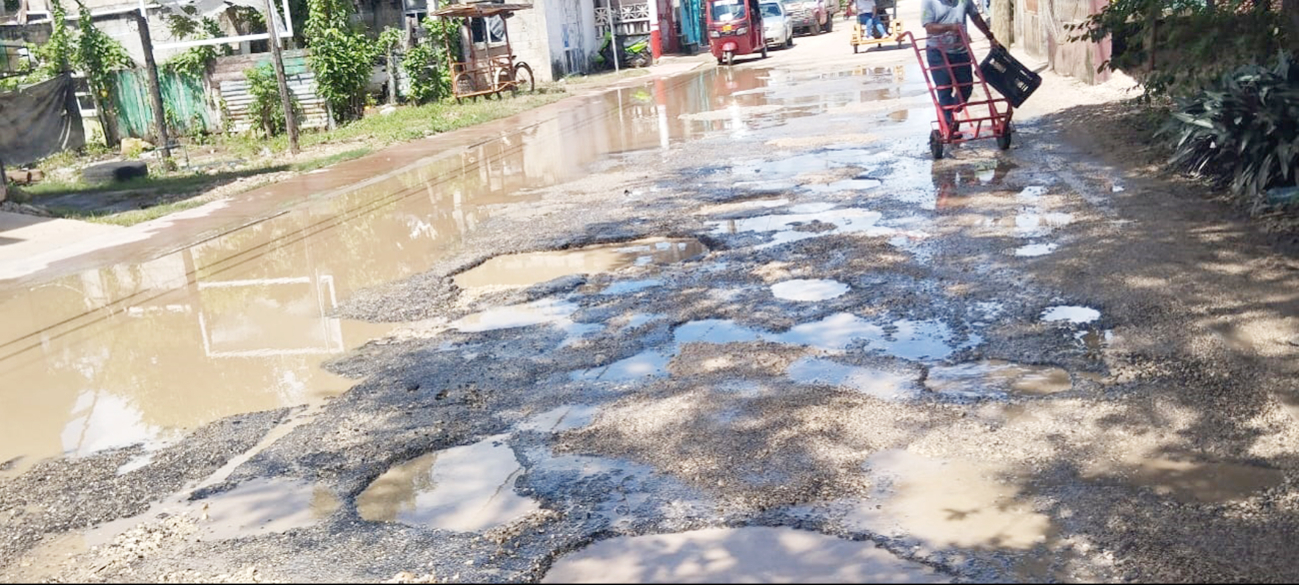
(266, 108)
(390, 41)
(99, 57)
(194, 61)
(340, 55)
(1194, 41)
(1243, 130)
(426, 62)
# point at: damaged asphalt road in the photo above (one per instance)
(976, 369)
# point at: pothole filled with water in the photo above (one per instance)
(537, 267)
(881, 384)
(1186, 479)
(949, 503)
(1072, 314)
(464, 489)
(808, 290)
(544, 311)
(264, 506)
(995, 377)
(737, 555)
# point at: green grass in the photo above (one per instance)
(129, 218)
(405, 124)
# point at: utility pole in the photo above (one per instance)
(155, 91)
(290, 122)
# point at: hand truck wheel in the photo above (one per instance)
(1003, 141)
(936, 144)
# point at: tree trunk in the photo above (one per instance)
(392, 77)
(1291, 10)
(106, 121)
(1002, 25)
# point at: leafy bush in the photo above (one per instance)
(266, 108)
(340, 55)
(1242, 130)
(426, 62)
(1196, 43)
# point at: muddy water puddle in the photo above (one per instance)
(997, 377)
(1075, 315)
(1185, 478)
(463, 489)
(808, 290)
(146, 350)
(949, 503)
(737, 555)
(882, 384)
(537, 267)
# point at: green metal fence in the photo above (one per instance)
(183, 100)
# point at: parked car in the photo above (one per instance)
(777, 28)
(813, 16)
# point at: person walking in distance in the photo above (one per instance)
(870, 24)
(944, 22)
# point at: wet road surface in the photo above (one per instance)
(733, 324)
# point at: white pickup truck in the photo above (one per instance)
(813, 16)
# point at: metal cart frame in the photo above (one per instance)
(983, 116)
(488, 74)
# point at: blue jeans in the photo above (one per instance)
(868, 21)
(961, 69)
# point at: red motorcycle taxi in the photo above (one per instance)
(734, 29)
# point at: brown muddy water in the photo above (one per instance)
(161, 338)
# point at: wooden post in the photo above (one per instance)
(1001, 24)
(277, 58)
(155, 91)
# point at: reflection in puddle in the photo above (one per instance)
(561, 418)
(808, 290)
(463, 489)
(996, 376)
(881, 384)
(1187, 480)
(538, 267)
(535, 313)
(949, 502)
(647, 364)
(907, 339)
(1072, 314)
(799, 226)
(736, 555)
(1030, 224)
(266, 505)
(623, 287)
(1032, 250)
(1095, 340)
(844, 185)
(714, 331)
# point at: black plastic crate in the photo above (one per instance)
(1008, 76)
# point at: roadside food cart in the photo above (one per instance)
(489, 66)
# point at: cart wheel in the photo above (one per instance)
(1003, 141)
(523, 77)
(764, 50)
(829, 23)
(936, 144)
(855, 48)
(730, 58)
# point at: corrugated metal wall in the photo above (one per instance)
(232, 87)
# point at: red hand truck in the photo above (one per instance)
(986, 116)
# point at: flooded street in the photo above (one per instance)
(728, 325)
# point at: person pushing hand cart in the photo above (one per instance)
(951, 77)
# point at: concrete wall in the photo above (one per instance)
(569, 34)
(1039, 30)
